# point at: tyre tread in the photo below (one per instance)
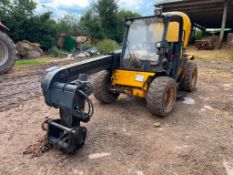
(12, 53)
(101, 92)
(155, 95)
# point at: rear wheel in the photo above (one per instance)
(7, 53)
(161, 96)
(102, 85)
(189, 82)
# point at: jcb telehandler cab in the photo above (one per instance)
(151, 65)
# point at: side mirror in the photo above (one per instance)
(158, 45)
(161, 47)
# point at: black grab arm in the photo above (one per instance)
(69, 73)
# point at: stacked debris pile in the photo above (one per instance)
(85, 52)
(78, 46)
(207, 43)
(28, 50)
(230, 40)
(38, 148)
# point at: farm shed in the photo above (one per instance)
(205, 13)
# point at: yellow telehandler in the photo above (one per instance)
(151, 65)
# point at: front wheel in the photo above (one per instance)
(161, 96)
(102, 84)
(7, 53)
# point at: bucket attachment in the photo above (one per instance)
(71, 98)
(68, 140)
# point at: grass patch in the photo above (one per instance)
(31, 62)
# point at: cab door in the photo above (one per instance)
(174, 39)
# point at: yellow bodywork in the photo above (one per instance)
(186, 26)
(137, 83)
(173, 32)
(132, 82)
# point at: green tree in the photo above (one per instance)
(4, 3)
(41, 29)
(121, 17)
(107, 11)
(90, 25)
(111, 19)
(103, 20)
(23, 7)
(15, 14)
(68, 24)
(19, 17)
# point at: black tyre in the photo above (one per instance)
(7, 53)
(161, 96)
(189, 82)
(102, 84)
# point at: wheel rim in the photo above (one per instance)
(194, 78)
(169, 99)
(4, 54)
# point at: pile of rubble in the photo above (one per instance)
(28, 50)
(207, 43)
(77, 46)
(230, 40)
(85, 52)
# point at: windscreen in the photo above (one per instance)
(142, 37)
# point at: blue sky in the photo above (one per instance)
(78, 7)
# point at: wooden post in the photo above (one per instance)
(224, 19)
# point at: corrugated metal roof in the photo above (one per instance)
(207, 13)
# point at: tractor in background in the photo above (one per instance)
(7, 50)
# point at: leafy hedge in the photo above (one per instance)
(56, 52)
(107, 46)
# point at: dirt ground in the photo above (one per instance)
(196, 139)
